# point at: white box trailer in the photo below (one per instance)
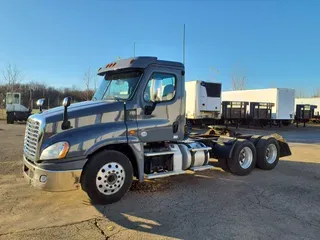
(282, 98)
(203, 100)
(311, 101)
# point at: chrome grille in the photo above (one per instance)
(31, 139)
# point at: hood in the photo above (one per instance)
(82, 109)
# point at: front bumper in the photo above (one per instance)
(49, 180)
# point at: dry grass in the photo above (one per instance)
(3, 114)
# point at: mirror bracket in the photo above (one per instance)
(148, 110)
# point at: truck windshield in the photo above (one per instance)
(118, 86)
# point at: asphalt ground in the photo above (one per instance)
(280, 204)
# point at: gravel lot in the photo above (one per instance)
(279, 204)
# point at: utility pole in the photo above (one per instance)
(184, 44)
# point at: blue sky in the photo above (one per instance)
(277, 43)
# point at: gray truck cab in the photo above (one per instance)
(140, 100)
(134, 127)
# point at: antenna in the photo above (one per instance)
(184, 44)
(134, 49)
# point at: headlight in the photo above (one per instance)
(55, 151)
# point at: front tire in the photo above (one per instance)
(268, 152)
(243, 158)
(10, 118)
(107, 177)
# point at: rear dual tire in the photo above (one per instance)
(268, 152)
(246, 156)
(243, 159)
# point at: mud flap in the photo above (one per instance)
(284, 147)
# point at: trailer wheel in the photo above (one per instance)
(268, 152)
(10, 118)
(243, 158)
(107, 177)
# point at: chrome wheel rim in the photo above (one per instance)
(271, 153)
(245, 157)
(110, 178)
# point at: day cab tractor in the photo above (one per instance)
(15, 110)
(134, 128)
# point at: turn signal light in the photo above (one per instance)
(111, 65)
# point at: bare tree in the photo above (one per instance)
(239, 81)
(214, 72)
(316, 92)
(32, 86)
(87, 80)
(95, 83)
(11, 75)
(301, 93)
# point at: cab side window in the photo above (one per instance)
(161, 87)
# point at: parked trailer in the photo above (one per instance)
(135, 130)
(304, 112)
(282, 98)
(260, 113)
(311, 101)
(234, 112)
(203, 101)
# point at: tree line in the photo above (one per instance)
(33, 90)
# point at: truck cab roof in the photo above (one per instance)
(136, 63)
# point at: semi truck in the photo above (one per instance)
(133, 129)
(15, 110)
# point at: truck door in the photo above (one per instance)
(161, 114)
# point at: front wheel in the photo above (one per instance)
(107, 177)
(243, 158)
(10, 118)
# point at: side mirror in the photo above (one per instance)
(40, 102)
(65, 123)
(149, 109)
(66, 101)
